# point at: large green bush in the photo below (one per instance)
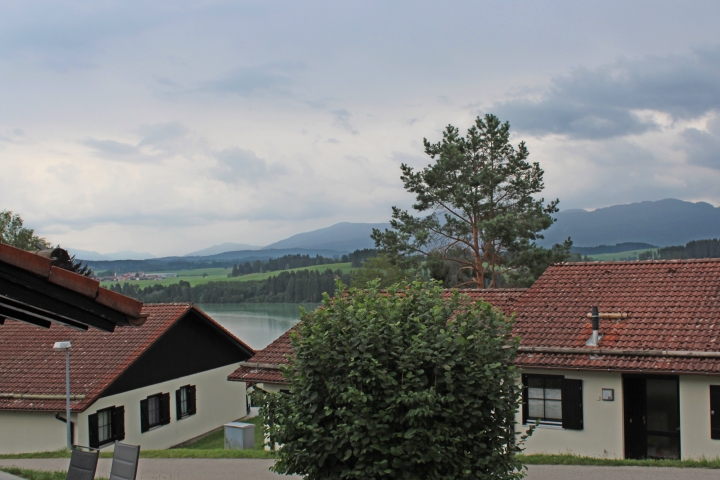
(400, 384)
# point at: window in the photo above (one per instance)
(154, 411)
(552, 400)
(544, 399)
(106, 426)
(185, 401)
(715, 412)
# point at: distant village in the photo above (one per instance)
(131, 276)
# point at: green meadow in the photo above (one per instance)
(610, 257)
(195, 277)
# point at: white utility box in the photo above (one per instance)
(239, 436)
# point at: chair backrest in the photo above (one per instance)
(83, 463)
(125, 462)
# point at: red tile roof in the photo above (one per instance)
(279, 351)
(43, 267)
(28, 364)
(671, 305)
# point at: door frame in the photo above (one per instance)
(640, 376)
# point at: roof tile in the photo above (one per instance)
(28, 363)
(25, 260)
(65, 278)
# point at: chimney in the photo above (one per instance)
(595, 337)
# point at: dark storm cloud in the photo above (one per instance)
(701, 148)
(342, 120)
(602, 102)
(237, 165)
(250, 80)
(112, 149)
(161, 132)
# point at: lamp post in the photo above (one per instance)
(66, 346)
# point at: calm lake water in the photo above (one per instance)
(256, 324)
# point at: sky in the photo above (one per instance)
(167, 127)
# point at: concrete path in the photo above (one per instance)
(257, 469)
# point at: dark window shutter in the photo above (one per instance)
(572, 404)
(192, 404)
(525, 398)
(165, 409)
(118, 423)
(715, 412)
(144, 424)
(178, 403)
(93, 430)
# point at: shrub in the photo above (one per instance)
(400, 383)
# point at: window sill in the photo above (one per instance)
(187, 415)
(545, 425)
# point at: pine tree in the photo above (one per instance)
(483, 214)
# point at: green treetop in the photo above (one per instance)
(482, 211)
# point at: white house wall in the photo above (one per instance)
(218, 402)
(602, 435)
(22, 432)
(695, 438)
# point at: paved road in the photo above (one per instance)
(256, 469)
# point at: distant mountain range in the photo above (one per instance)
(222, 248)
(345, 237)
(122, 255)
(663, 223)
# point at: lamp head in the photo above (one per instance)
(62, 345)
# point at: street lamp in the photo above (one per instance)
(66, 346)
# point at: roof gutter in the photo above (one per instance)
(266, 366)
(32, 396)
(618, 351)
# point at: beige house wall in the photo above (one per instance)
(218, 402)
(695, 441)
(22, 432)
(272, 387)
(602, 435)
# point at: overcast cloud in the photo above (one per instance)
(172, 126)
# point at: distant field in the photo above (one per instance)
(195, 277)
(609, 257)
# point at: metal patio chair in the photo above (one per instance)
(83, 463)
(125, 462)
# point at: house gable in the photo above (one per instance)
(191, 346)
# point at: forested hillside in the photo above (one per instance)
(709, 248)
(287, 287)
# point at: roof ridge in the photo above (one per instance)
(640, 262)
(485, 290)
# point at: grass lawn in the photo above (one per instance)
(212, 446)
(195, 277)
(216, 440)
(39, 474)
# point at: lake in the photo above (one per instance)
(256, 324)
